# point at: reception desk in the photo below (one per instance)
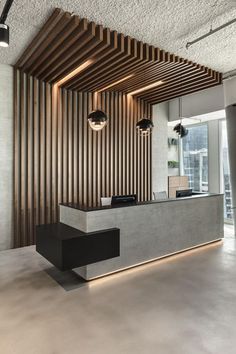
(148, 230)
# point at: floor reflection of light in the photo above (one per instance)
(152, 263)
(230, 240)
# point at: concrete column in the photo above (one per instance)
(160, 148)
(6, 157)
(231, 132)
(230, 104)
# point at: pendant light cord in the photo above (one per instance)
(5, 11)
(180, 109)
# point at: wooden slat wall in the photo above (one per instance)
(67, 41)
(58, 158)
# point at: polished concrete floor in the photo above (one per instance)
(185, 304)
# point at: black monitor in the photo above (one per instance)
(184, 193)
(124, 199)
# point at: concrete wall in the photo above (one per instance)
(202, 102)
(6, 157)
(230, 91)
(173, 152)
(160, 147)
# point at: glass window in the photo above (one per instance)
(226, 173)
(195, 157)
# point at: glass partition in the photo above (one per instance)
(194, 159)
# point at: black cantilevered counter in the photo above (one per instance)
(67, 247)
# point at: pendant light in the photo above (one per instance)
(179, 128)
(4, 35)
(4, 29)
(144, 126)
(97, 120)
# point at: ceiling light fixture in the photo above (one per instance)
(155, 84)
(116, 83)
(4, 35)
(179, 128)
(75, 72)
(4, 29)
(97, 120)
(144, 126)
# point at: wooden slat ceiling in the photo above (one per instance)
(66, 41)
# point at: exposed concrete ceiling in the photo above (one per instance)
(167, 24)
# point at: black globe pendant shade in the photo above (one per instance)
(97, 120)
(4, 35)
(144, 126)
(181, 130)
(4, 29)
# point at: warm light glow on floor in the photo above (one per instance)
(153, 262)
(116, 83)
(158, 83)
(75, 72)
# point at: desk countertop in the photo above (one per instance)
(150, 202)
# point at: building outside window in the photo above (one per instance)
(194, 157)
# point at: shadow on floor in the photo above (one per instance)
(68, 280)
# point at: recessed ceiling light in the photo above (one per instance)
(75, 72)
(116, 83)
(146, 88)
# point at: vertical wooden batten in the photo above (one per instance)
(58, 158)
